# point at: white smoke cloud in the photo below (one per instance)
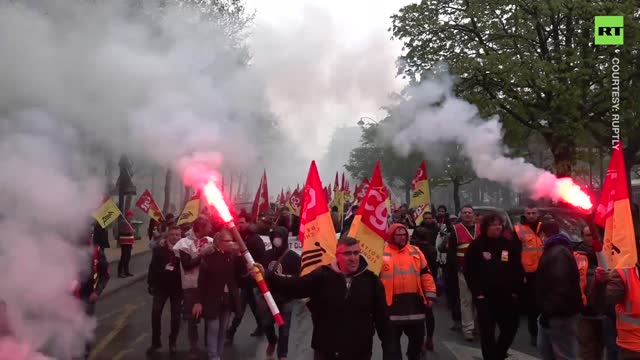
(435, 116)
(46, 199)
(318, 73)
(79, 78)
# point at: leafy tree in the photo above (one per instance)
(396, 170)
(532, 62)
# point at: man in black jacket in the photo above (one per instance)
(256, 248)
(347, 304)
(559, 296)
(164, 284)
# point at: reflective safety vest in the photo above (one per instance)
(628, 314)
(406, 271)
(464, 238)
(532, 246)
(583, 267)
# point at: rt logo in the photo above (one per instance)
(609, 30)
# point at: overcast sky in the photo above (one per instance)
(325, 63)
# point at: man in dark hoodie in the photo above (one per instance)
(256, 248)
(347, 304)
(559, 296)
(287, 262)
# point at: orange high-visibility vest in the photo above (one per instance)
(628, 314)
(583, 267)
(532, 247)
(403, 268)
(464, 238)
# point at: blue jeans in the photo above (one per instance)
(558, 341)
(216, 334)
(283, 331)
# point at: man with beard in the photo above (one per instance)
(256, 248)
(528, 233)
(286, 262)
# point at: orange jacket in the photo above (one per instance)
(583, 266)
(406, 271)
(532, 246)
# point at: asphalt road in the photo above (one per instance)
(124, 332)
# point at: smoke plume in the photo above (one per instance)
(82, 80)
(434, 116)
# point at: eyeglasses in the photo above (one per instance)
(349, 253)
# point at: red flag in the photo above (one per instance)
(317, 234)
(343, 186)
(614, 215)
(147, 204)
(370, 223)
(261, 200)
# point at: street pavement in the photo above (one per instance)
(124, 332)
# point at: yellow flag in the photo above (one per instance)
(317, 234)
(106, 213)
(614, 214)
(420, 199)
(191, 211)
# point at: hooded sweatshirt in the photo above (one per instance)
(282, 259)
(558, 280)
(188, 250)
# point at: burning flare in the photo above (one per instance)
(571, 193)
(214, 197)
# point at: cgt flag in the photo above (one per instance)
(614, 215)
(370, 223)
(147, 204)
(106, 213)
(191, 210)
(420, 199)
(317, 234)
(294, 202)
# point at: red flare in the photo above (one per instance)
(214, 197)
(573, 194)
